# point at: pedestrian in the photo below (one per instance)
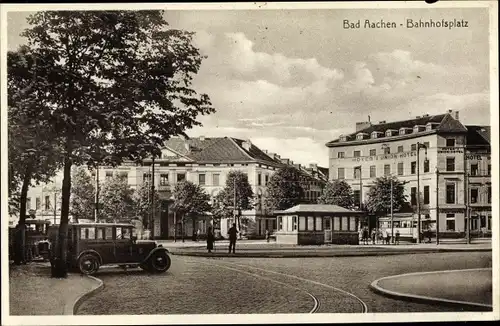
(233, 233)
(198, 232)
(365, 235)
(374, 235)
(397, 236)
(210, 239)
(267, 235)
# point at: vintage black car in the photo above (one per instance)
(91, 245)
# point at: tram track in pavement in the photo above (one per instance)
(244, 268)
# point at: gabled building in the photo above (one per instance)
(453, 168)
(204, 161)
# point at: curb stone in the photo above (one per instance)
(72, 308)
(427, 299)
(320, 254)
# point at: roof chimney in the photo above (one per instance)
(457, 116)
(247, 144)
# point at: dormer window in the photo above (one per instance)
(361, 136)
(390, 133)
(404, 131)
(376, 134)
(430, 126)
(343, 138)
(418, 128)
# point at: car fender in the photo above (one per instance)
(90, 251)
(153, 251)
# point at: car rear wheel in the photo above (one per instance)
(159, 262)
(88, 264)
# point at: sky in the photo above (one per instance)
(292, 80)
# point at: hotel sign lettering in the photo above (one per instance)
(450, 150)
(384, 157)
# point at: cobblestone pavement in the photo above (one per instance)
(258, 285)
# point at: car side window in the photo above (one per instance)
(109, 234)
(126, 233)
(100, 234)
(118, 233)
(91, 234)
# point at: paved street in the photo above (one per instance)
(198, 285)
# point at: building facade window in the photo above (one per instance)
(340, 155)
(387, 150)
(413, 147)
(413, 167)
(489, 169)
(450, 164)
(163, 179)
(356, 173)
(413, 196)
(28, 204)
(400, 168)
(109, 174)
(341, 173)
(38, 203)
(259, 179)
(400, 149)
(356, 196)
(474, 194)
(47, 202)
(215, 179)
(294, 223)
(387, 169)
(426, 195)
(310, 223)
(373, 171)
(146, 177)
(201, 179)
(474, 169)
(302, 223)
(319, 223)
(123, 175)
(450, 222)
(450, 193)
(426, 166)
(427, 144)
(489, 194)
(181, 177)
(357, 153)
(450, 142)
(373, 152)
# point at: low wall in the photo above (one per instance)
(311, 238)
(350, 238)
(288, 238)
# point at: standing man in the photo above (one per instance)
(233, 233)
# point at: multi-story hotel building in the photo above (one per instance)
(204, 161)
(451, 161)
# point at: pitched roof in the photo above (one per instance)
(317, 208)
(218, 149)
(446, 124)
(478, 135)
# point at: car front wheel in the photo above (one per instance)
(159, 262)
(88, 264)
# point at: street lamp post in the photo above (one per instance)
(437, 205)
(392, 212)
(419, 145)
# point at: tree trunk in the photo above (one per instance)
(20, 240)
(239, 223)
(182, 228)
(60, 267)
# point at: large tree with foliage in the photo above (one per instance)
(284, 189)
(237, 195)
(190, 201)
(33, 146)
(82, 195)
(117, 199)
(117, 85)
(338, 193)
(143, 203)
(379, 195)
